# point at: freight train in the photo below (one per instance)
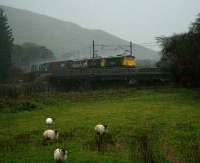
(107, 62)
(99, 71)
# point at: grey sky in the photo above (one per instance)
(137, 20)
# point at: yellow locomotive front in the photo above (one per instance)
(129, 61)
(119, 61)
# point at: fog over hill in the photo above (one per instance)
(65, 37)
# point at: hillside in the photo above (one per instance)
(63, 37)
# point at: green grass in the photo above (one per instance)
(144, 125)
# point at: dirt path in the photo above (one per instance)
(168, 150)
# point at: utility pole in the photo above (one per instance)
(131, 48)
(93, 50)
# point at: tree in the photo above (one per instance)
(195, 27)
(25, 55)
(181, 53)
(6, 43)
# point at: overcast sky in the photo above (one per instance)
(137, 20)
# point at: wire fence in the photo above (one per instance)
(13, 90)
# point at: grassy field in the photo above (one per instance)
(144, 125)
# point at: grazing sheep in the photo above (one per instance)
(50, 121)
(50, 135)
(60, 155)
(100, 129)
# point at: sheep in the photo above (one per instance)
(50, 121)
(100, 130)
(50, 135)
(60, 155)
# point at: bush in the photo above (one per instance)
(14, 107)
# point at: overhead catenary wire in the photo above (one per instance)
(97, 47)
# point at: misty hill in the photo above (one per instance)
(64, 37)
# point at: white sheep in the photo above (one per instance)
(50, 135)
(100, 129)
(50, 121)
(60, 155)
